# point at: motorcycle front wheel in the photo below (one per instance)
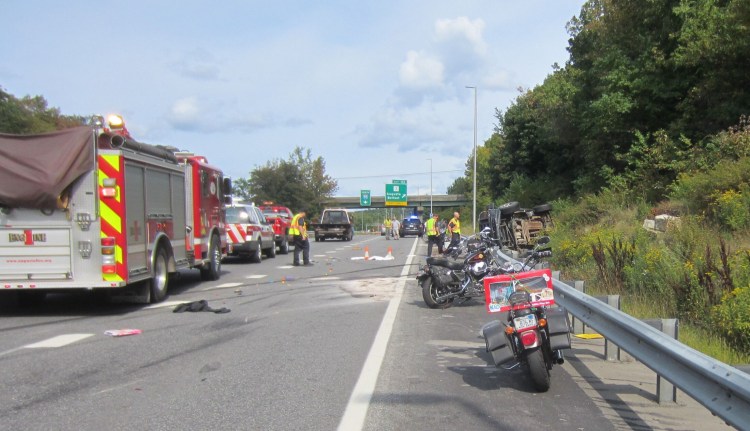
(430, 291)
(538, 370)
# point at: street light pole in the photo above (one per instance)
(430, 187)
(474, 215)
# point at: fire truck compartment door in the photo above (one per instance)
(35, 253)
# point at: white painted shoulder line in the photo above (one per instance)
(359, 401)
(59, 341)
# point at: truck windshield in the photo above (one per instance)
(237, 215)
(273, 214)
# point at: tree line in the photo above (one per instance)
(647, 88)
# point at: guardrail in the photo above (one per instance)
(721, 388)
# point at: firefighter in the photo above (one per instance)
(433, 236)
(454, 227)
(387, 224)
(298, 229)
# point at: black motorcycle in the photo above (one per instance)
(444, 279)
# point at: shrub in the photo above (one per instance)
(732, 317)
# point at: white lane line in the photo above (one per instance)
(359, 401)
(325, 278)
(256, 276)
(59, 341)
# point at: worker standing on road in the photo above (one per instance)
(387, 223)
(454, 227)
(433, 236)
(395, 225)
(298, 229)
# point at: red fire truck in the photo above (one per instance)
(280, 218)
(91, 208)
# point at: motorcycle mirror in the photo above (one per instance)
(542, 240)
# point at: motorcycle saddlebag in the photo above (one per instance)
(496, 342)
(559, 328)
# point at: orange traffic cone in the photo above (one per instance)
(390, 253)
(367, 253)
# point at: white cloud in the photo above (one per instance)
(184, 112)
(499, 80)
(420, 71)
(462, 29)
(220, 116)
(198, 64)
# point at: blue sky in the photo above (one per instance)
(375, 88)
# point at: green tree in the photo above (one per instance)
(31, 115)
(298, 182)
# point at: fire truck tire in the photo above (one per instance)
(213, 270)
(257, 255)
(284, 247)
(160, 280)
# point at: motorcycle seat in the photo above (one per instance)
(445, 263)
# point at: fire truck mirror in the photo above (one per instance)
(227, 189)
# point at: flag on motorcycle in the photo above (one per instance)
(538, 285)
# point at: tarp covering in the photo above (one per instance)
(36, 169)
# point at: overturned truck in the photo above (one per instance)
(91, 208)
(517, 228)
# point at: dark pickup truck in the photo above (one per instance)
(334, 223)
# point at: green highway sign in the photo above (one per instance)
(399, 182)
(364, 198)
(395, 194)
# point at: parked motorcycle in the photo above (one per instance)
(536, 332)
(444, 280)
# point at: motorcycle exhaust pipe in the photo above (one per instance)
(559, 359)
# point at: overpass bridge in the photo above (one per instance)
(412, 201)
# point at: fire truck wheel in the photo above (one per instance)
(284, 247)
(212, 271)
(257, 255)
(160, 280)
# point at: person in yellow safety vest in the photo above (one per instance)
(298, 229)
(433, 235)
(387, 224)
(454, 227)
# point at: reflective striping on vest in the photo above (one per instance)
(430, 227)
(294, 227)
(457, 227)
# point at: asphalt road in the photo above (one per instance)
(287, 356)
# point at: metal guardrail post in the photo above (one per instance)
(577, 324)
(665, 391)
(611, 350)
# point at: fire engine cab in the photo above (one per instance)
(92, 208)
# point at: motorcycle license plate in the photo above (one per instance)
(524, 322)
